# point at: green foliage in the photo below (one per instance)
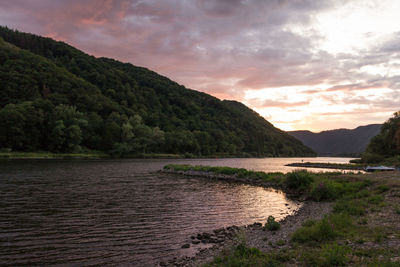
(386, 143)
(308, 223)
(299, 180)
(351, 207)
(382, 188)
(280, 242)
(325, 230)
(243, 256)
(334, 255)
(375, 199)
(325, 190)
(57, 98)
(271, 224)
(274, 178)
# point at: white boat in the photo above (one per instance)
(379, 168)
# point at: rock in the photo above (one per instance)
(206, 235)
(192, 237)
(162, 264)
(217, 231)
(186, 246)
(213, 240)
(196, 242)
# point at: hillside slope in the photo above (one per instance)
(340, 141)
(386, 144)
(56, 98)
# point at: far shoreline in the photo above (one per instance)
(100, 155)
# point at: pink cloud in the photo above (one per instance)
(222, 47)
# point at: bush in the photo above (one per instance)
(299, 180)
(376, 199)
(350, 207)
(382, 188)
(372, 158)
(334, 255)
(325, 190)
(271, 224)
(326, 229)
(244, 256)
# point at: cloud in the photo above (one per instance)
(229, 47)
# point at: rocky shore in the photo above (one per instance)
(254, 234)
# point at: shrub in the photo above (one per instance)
(271, 224)
(299, 180)
(382, 188)
(308, 223)
(376, 199)
(350, 207)
(334, 255)
(362, 194)
(326, 229)
(244, 256)
(325, 190)
(280, 242)
(372, 158)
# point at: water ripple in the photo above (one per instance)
(115, 212)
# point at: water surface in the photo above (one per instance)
(121, 212)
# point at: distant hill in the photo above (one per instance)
(56, 98)
(340, 142)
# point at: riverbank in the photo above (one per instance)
(48, 155)
(347, 219)
(336, 166)
(90, 155)
(102, 155)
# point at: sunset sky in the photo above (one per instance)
(302, 64)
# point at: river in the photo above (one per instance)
(124, 212)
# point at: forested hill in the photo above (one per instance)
(56, 98)
(387, 143)
(339, 142)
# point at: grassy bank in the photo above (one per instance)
(337, 166)
(361, 230)
(316, 186)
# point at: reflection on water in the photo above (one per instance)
(119, 211)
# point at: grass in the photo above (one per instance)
(327, 229)
(275, 177)
(299, 180)
(334, 255)
(340, 166)
(314, 186)
(342, 237)
(243, 256)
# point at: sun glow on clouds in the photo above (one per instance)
(357, 25)
(355, 28)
